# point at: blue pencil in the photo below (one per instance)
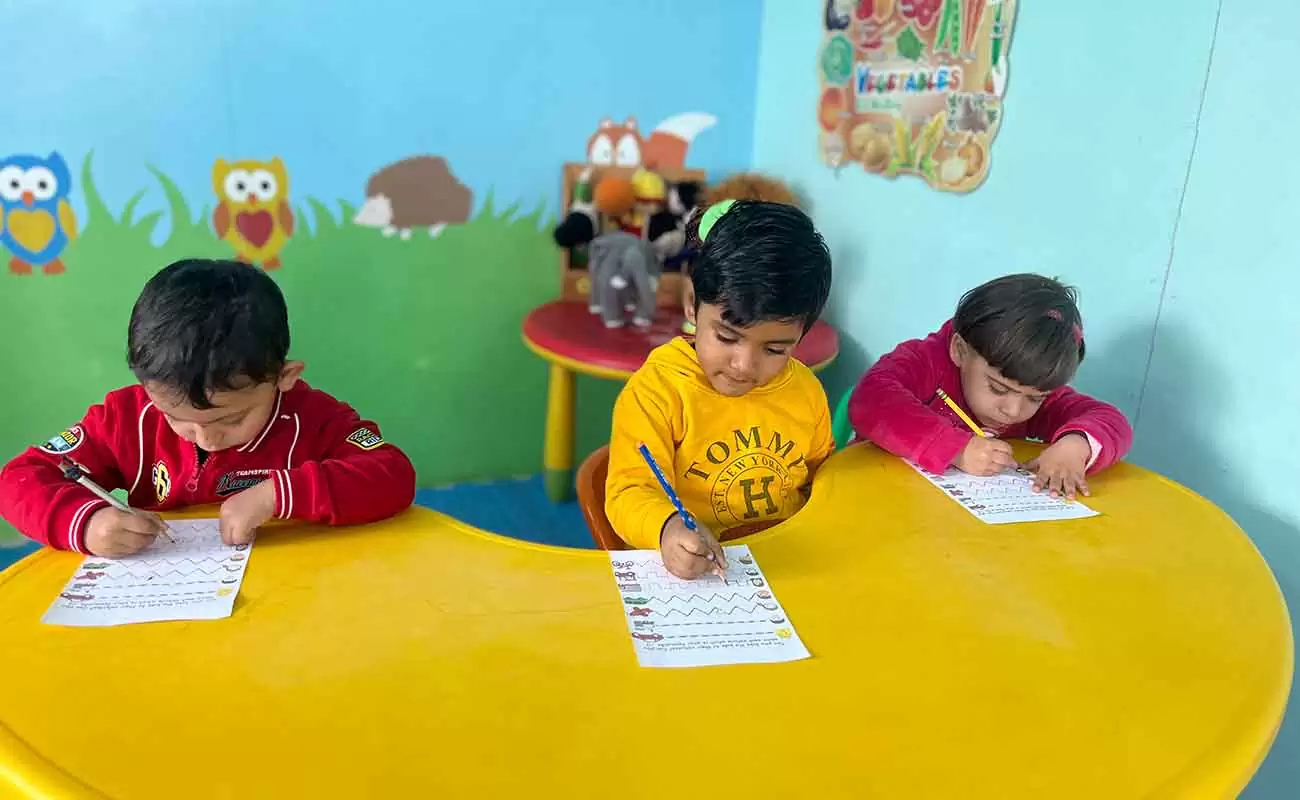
(667, 487)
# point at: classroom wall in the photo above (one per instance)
(420, 334)
(1171, 219)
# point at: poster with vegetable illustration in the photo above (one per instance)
(913, 87)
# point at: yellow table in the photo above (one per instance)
(1144, 653)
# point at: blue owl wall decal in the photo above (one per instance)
(36, 220)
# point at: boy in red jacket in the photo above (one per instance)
(220, 416)
(1005, 359)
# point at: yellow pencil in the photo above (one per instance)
(956, 409)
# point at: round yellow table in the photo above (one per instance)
(1144, 653)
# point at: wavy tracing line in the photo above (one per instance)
(710, 612)
(726, 598)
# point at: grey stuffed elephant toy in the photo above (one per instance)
(624, 271)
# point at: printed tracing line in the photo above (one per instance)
(705, 622)
(1008, 485)
(197, 577)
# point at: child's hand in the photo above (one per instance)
(687, 553)
(1062, 468)
(111, 533)
(244, 513)
(983, 456)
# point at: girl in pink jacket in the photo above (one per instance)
(1005, 358)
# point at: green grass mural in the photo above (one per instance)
(420, 335)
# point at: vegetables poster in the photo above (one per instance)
(914, 87)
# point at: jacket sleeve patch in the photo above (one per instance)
(65, 442)
(365, 439)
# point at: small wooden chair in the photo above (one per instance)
(591, 499)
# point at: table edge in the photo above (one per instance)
(612, 373)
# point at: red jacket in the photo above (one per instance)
(328, 465)
(896, 405)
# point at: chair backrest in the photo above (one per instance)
(841, 428)
(591, 499)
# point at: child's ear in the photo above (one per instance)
(290, 374)
(688, 300)
(957, 350)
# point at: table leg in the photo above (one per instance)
(557, 456)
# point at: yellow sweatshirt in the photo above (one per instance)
(732, 460)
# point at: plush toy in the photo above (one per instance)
(667, 229)
(649, 192)
(610, 197)
(624, 272)
(614, 196)
(581, 224)
(750, 186)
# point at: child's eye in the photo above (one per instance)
(727, 339)
(1038, 400)
(776, 351)
(997, 389)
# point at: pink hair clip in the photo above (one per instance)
(1078, 330)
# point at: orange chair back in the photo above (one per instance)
(591, 499)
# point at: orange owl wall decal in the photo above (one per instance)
(253, 212)
(622, 145)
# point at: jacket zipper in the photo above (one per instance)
(193, 485)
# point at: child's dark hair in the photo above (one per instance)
(202, 326)
(761, 261)
(1026, 326)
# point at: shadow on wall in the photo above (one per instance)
(853, 359)
(1171, 439)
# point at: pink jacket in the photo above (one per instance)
(896, 406)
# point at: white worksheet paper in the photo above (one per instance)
(705, 622)
(198, 577)
(1009, 497)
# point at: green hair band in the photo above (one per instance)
(712, 215)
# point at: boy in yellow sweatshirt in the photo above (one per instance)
(735, 423)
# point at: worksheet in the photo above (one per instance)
(1009, 497)
(197, 577)
(705, 622)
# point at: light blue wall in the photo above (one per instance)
(505, 90)
(1219, 410)
(1087, 183)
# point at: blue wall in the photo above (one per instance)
(506, 90)
(1189, 301)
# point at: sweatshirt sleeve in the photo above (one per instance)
(1067, 411)
(634, 502)
(360, 478)
(888, 406)
(45, 506)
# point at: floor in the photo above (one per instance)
(517, 507)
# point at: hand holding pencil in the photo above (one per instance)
(689, 549)
(118, 530)
(982, 455)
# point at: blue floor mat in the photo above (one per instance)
(516, 508)
(9, 553)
